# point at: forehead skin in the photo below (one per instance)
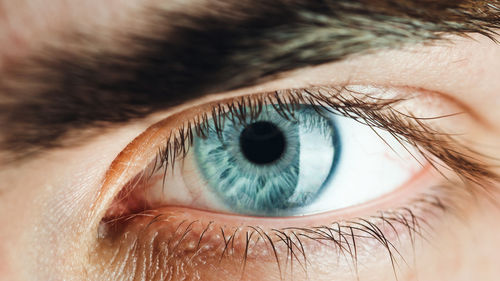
(25, 25)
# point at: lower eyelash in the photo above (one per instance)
(192, 241)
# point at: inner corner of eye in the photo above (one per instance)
(273, 166)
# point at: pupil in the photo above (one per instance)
(262, 142)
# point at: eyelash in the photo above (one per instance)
(372, 111)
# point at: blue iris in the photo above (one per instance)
(270, 165)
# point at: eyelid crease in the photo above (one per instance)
(472, 112)
(439, 148)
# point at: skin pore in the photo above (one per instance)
(52, 203)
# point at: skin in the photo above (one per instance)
(50, 206)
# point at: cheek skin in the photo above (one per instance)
(466, 246)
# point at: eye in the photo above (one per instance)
(263, 157)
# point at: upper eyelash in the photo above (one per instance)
(372, 111)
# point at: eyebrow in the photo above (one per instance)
(210, 50)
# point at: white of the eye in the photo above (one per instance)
(315, 161)
(367, 169)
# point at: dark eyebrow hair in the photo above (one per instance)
(211, 49)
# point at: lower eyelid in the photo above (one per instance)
(186, 244)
